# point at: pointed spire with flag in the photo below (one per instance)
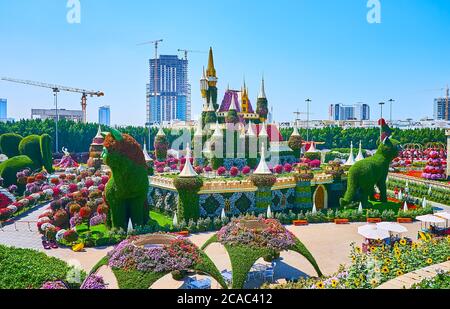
(360, 155)
(351, 158)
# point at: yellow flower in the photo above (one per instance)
(353, 259)
(358, 250)
(402, 266)
(373, 249)
(373, 282)
(376, 269)
(414, 245)
(403, 242)
(334, 283)
(362, 277)
(448, 258)
(385, 270)
(399, 273)
(429, 261)
(320, 285)
(388, 261)
(357, 282)
(425, 251)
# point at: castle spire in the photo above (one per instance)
(262, 91)
(211, 70)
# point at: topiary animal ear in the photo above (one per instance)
(116, 135)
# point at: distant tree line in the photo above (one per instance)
(77, 136)
(337, 137)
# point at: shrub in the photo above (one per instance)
(9, 144)
(287, 168)
(234, 171)
(246, 170)
(278, 169)
(313, 155)
(221, 171)
(70, 236)
(85, 212)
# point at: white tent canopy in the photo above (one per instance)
(430, 219)
(392, 227)
(443, 215)
(370, 231)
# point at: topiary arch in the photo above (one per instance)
(243, 257)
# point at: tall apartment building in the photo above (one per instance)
(349, 112)
(104, 115)
(439, 109)
(3, 109)
(169, 98)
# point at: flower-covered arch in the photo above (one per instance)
(248, 239)
(150, 257)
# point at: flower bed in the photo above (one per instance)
(380, 264)
(441, 281)
(260, 232)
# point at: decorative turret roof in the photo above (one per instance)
(351, 157)
(98, 139)
(250, 131)
(233, 105)
(146, 155)
(211, 70)
(161, 132)
(360, 153)
(211, 107)
(188, 170)
(199, 129)
(295, 132)
(312, 148)
(263, 131)
(262, 168)
(262, 91)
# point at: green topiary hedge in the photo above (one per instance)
(31, 146)
(10, 168)
(29, 269)
(46, 152)
(9, 144)
(188, 198)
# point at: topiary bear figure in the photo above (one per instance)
(9, 144)
(364, 175)
(126, 191)
(34, 154)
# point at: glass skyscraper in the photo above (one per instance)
(173, 90)
(349, 112)
(3, 109)
(104, 115)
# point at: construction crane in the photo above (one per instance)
(56, 89)
(186, 51)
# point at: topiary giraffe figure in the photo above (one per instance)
(126, 191)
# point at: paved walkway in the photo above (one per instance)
(408, 280)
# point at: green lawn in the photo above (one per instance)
(162, 219)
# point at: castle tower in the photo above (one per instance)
(262, 104)
(244, 100)
(208, 83)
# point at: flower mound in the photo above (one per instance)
(267, 233)
(179, 254)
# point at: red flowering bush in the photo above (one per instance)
(73, 188)
(31, 179)
(85, 212)
(199, 169)
(287, 168)
(89, 183)
(246, 170)
(70, 236)
(221, 171)
(61, 218)
(234, 171)
(314, 164)
(208, 169)
(54, 181)
(278, 169)
(102, 209)
(105, 179)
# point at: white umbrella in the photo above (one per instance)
(443, 215)
(392, 227)
(314, 210)
(405, 207)
(430, 219)
(360, 208)
(372, 232)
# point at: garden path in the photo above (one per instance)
(108, 277)
(408, 280)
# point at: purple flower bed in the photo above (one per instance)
(273, 236)
(54, 285)
(93, 282)
(179, 255)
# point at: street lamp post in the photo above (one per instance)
(308, 101)
(55, 94)
(381, 117)
(390, 115)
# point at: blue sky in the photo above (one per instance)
(322, 49)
